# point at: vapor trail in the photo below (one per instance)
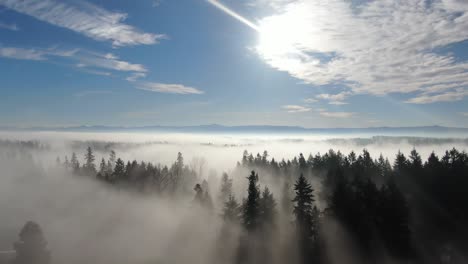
(232, 13)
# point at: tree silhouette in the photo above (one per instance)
(31, 247)
(251, 212)
(304, 216)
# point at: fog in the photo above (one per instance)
(222, 151)
(87, 221)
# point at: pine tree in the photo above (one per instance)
(119, 170)
(304, 217)
(31, 248)
(75, 163)
(267, 206)
(226, 188)
(303, 206)
(231, 210)
(89, 166)
(251, 213)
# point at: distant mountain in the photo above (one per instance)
(214, 128)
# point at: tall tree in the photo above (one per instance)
(226, 188)
(119, 171)
(231, 210)
(75, 164)
(267, 206)
(251, 213)
(304, 216)
(89, 166)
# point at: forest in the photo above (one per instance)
(322, 208)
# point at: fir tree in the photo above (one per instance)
(31, 247)
(250, 215)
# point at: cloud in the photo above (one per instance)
(464, 114)
(444, 97)
(310, 100)
(12, 27)
(85, 18)
(108, 61)
(135, 76)
(80, 58)
(22, 54)
(325, 113)
(335, 99)
(369, 47)
(169, 88)
(296, 108)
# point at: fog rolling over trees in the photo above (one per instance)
(93, 203)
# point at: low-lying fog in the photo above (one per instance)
(222, 151)
(86, 221)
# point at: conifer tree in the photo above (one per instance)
(89, 166)
(31, 247)
(231, 210)
(304, 216)
(250, 215)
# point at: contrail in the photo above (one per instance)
(232, 13)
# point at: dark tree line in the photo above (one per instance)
(139, 176)
(408, 209)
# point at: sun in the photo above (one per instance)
(279, 35)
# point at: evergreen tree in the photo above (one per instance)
(75, 164)
(119, 171)
(31, 247)
(231, 210)
(267, 208)
(250, 215)
(89, 166)
(304, 217)
(303, 206)
(226, 188)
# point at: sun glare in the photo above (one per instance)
(276, 37)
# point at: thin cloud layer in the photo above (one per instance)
(85, 18)
(80, 58)
(22, 54)
(169, 88)
(376, 47)
(328, 114)
(296, 108)
(12, 27)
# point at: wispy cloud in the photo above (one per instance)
(91, 93)
(328, 114)
(85, 18)
(376, 47)
(464, 114)
(135, 76)
(296, 108)
(80, 58)
(335, 99)
(168, 88)
(310, 100)
(443, 97)
(12, 27)
(22, 54)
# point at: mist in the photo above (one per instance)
(88, 221)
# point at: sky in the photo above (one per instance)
(309, 63)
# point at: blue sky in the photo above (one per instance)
(278, 62)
